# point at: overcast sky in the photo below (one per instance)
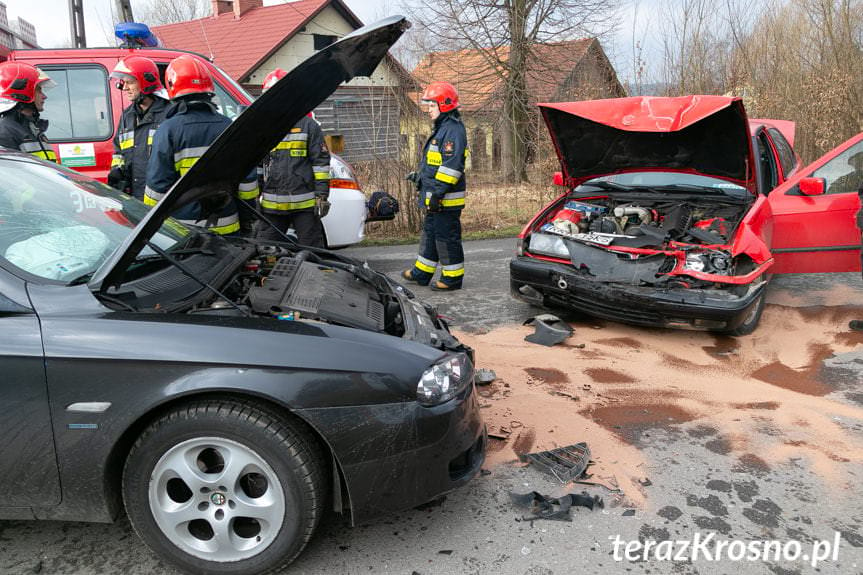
(51, 19)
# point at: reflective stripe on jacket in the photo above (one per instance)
(187, 131)
(134, 141)
(297, 170)
(26, 134)
(442, 163)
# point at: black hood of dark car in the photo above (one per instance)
(242, 146)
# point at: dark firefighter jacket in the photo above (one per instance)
(190, 126)
(298, 170)
(27, 134)
(132, 145)
(442, 163)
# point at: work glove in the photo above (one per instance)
(116, 179)
(434, 203)
(322, 207)
(415, 178)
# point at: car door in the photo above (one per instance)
(80, 117)
(818, 233)
(28, 465)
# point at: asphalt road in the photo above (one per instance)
(695, 487)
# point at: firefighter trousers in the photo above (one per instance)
(440, 243)
(307, 227)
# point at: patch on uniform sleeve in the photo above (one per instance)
(448, 147)
(296, 130)
(434, 142)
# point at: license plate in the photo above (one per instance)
(594, 238)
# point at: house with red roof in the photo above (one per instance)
(557, 72)
(249, 40)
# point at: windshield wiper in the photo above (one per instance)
(603, 185)
(186, 271)
(688, 188)
(82, 279)
(185, 252)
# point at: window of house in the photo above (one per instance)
(79, 107)
(322, 40)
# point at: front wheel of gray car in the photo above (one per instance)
(225, 487)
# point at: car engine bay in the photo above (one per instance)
(642, 240)
(646, 223)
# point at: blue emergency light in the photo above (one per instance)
(135, 35)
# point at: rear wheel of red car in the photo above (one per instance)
(752, 318)
(225, 487)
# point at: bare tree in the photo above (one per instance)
(505, 32)
(157, 12)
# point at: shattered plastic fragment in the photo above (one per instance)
(554, 508)
(484, 376)
(550, 330)
(565, 463)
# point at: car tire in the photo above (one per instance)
(225, 487)
(752, 319)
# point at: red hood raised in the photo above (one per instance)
(702, 134)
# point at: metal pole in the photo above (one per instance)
(76, 23)
(123, 8)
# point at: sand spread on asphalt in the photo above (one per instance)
(761, 399)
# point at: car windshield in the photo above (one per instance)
(659, 178)
(60, 225)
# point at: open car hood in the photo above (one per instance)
(708, 135)
(257, 130)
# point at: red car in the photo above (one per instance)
(676, 211)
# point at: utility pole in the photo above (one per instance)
(123, 8)
(76, 23)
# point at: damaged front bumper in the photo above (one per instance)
(400, 455)
(553, 284)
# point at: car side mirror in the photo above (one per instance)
(812, 186)
(558, 179)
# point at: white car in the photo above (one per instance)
(345, 224)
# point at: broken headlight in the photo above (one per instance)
(444, 380)
(712, 262)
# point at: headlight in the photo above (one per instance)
(444, 380)
(713, 262)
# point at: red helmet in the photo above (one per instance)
(140, 69)
(18, 82)
(272, 78)
(186, 75)
(443, 93)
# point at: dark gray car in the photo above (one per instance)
(225, 391)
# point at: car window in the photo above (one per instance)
(767, 163)
(844, 173)
(227, 104)
(783, 148)
(60, 225)
(79, 107)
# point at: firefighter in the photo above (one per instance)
(441, 184)
(138, 78)
(191, 124)
(297, 180)
(22, 98)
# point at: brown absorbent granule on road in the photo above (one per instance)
(552, 376)
(677, 377)
(605, 375)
